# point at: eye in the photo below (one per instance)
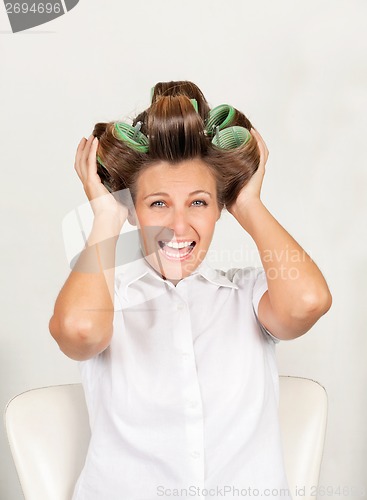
(155, 203)
(199, 203)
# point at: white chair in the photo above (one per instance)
(303, 418)
(48, 432)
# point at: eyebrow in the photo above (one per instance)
(166, 194)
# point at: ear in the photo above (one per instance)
(131, 218)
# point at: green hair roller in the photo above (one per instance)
(231, 137)
(222, 116)
(195, 104)
(218, 125)
(132, 136)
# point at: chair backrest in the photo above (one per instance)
(48, 432)
(303, 418)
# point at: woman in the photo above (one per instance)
(178, 359)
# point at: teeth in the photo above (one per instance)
(182, 244)
(184, 247)
(175, 255)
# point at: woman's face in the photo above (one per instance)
(176, 207)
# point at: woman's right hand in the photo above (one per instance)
(101, 200)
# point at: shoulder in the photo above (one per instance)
(253, 283)
(245, 276)
(249, 279)
(237, 278)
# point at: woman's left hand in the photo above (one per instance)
(252, 189)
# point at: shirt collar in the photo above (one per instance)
(139, 268)
(215, 276)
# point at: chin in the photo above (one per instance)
(172, 269)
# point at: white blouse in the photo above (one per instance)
(184, 401)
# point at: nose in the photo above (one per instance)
(179, 222)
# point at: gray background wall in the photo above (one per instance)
(297, 69)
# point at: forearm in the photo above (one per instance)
(84, 309)
(295, 284)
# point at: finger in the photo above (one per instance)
(78, 155)
(85, 155)
(264, 153)
(257, 136)
(80, 148)
(86, 149)
(259, 140)
(263, 144)
(92, 158)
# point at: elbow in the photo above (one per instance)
(78, 341)
(318, 304)
(312, 306)
(54, 327)
(67, 329)
(294, 322)
(327, 303)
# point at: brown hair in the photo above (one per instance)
(176, 133)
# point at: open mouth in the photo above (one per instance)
(176, 250)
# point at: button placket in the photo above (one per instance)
(192, 406)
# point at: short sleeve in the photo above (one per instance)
(260, 287)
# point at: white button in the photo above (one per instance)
(193, 404)
(195, 454)
(185, 356)
(180, 306)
